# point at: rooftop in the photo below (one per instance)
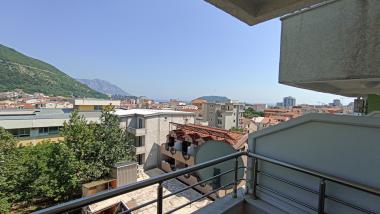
(11, 119)
(230, 137)
(149, 112)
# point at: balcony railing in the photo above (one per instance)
(136, 131)
(255, 158)
(82, 202)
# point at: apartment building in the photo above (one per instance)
(222, 115)
(94, 104)
(30, 127)
(190, 144)
(289, 102)
(150, 128)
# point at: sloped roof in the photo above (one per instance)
(206, 132)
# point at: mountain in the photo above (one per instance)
(104, 87)
(18, 71)
(215, 99)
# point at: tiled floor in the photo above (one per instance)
(141, 196)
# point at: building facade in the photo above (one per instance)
(30, 127)
(190, 144)
(94, 104)
(150, 128)
(222, 115)
(289, 102)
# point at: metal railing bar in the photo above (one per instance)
(81, 202)
(139, 206)
(307, 189)
(349, 204)
(199, 198)
(179, 191)
(287, 197)
(201, 182)
(344, 182)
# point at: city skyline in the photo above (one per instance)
(180, 54)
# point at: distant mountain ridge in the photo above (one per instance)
(215, 99)
(104, 87)
(18, 71)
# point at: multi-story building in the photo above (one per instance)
(150, 128)
(259, 107)
(94, 104)
(222, 115)
(34, 126)
(336, 103)
(184, 145)
(289, 102)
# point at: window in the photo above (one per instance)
(139, 141)
(53, 130)
(14, 132)
(97, 108)
(141, 159)
(24, 133)
(140, 123)
(43, 131)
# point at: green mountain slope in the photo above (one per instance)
(18, 71)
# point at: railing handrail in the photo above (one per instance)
(314, 173)
(82, 202)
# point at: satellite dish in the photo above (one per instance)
(216, 149)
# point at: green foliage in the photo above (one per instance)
(18, 71)
(234, 129)
(7, 155)
(250, 113)
(55, 171)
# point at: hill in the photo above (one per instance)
(215, 99)
(104, 87)
(18, 71)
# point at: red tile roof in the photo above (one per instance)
(209, 133)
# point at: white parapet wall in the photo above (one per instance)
(337, 145)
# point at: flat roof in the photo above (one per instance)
(96, 102)
(149, 112)
(41, 118)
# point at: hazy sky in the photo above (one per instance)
(157, 48)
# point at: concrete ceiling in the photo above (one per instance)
(255, 11)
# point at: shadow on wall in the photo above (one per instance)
(153, 158)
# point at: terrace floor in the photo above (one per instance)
(143, 195)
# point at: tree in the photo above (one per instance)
(96, 147)
(55, 171)
(234, 129)
(250, 113)
(114, 143)
(7, 155)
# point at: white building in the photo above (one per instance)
(150, 128)
(222, 115)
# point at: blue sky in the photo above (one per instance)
(160, 49)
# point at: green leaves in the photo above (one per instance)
(55, 171)
(251, 113)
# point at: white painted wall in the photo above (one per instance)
(342, 146)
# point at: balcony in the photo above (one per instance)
(177, 155)
(140, 150)
(136, 132)
(291, 168)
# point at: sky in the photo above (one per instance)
(157, 48)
